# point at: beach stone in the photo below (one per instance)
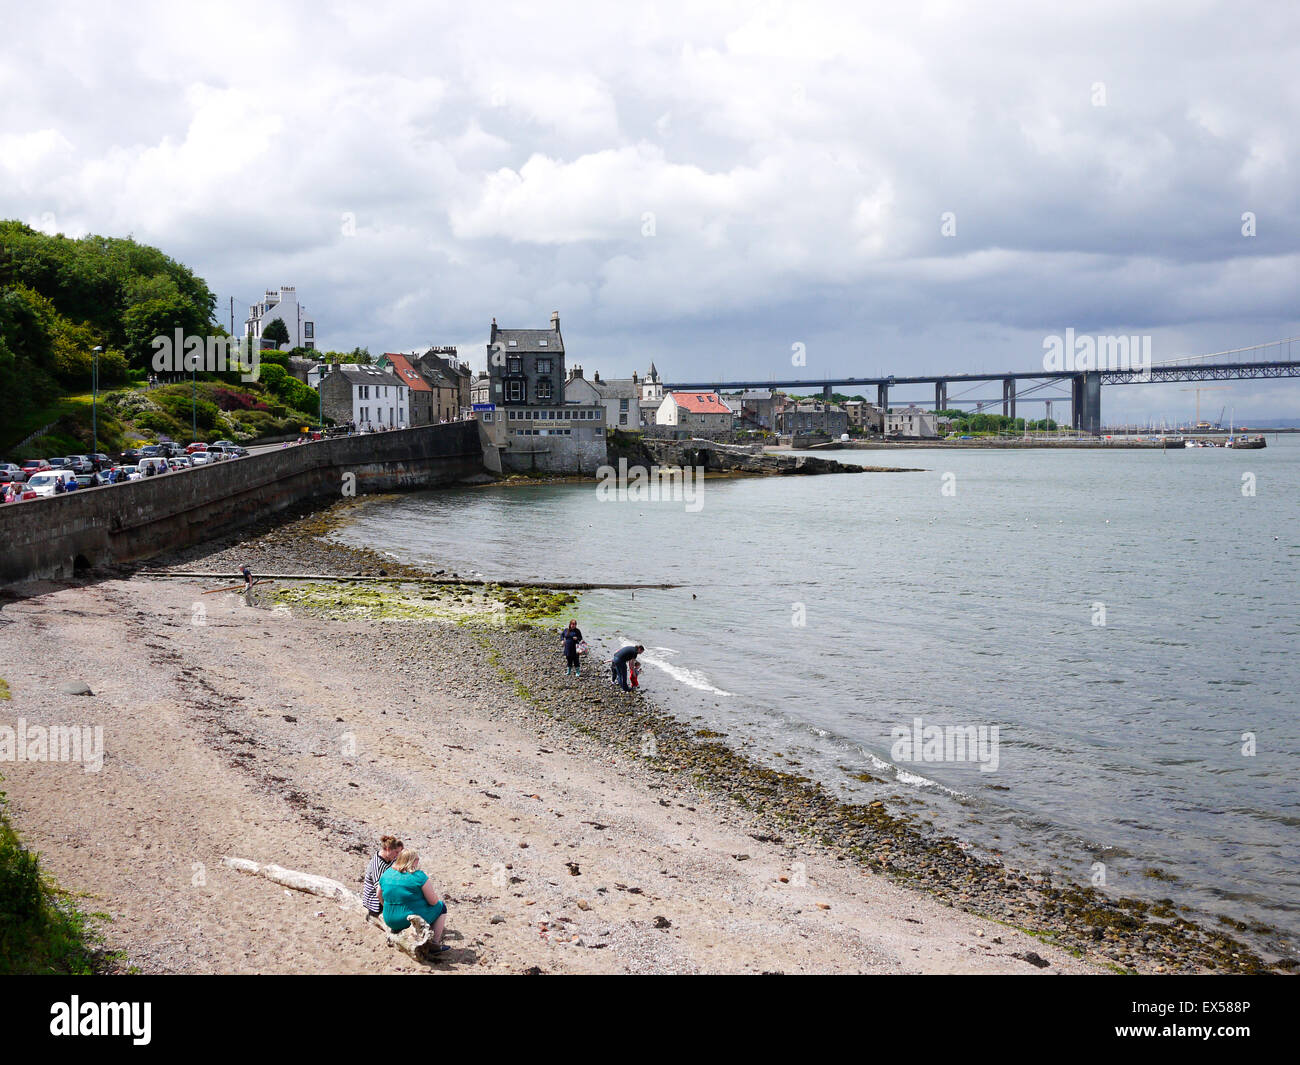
(76, 687)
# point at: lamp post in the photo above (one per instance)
(94, 399)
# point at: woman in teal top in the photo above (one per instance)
(405, 891)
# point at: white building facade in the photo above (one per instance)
(912, 421)
(282, 303)
(367, 397)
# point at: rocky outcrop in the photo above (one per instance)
(734, 458)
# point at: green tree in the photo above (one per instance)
(277, 332)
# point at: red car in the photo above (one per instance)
(196, 446)
(36, 466)
(22, 491)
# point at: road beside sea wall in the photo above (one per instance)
(62, 535)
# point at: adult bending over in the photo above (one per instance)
(618, 668)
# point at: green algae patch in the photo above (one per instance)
(402, 600)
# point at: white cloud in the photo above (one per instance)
(792, 161)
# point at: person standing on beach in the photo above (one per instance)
(571, 637)
(389, 848)
(618, 668)
(248, 578)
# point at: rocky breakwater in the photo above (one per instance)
(738, 459)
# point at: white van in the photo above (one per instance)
(43, 483)
(158, 465)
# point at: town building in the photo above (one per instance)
(422, 399)
(812, 418)
(652, 395)
(282, 303)
(694, 411)
(521, 405)
(913, 422)
(446, 363)
(864, 416)
(526, 366)
(366, 396)
(621, 397)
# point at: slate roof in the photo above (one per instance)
(367, 375)
(531, 340)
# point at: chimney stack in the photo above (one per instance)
(555, 321)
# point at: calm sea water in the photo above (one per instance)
(1127, 620)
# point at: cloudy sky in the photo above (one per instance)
(904, 188)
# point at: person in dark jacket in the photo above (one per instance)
(618, 668)
(571, 637)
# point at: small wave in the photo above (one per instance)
(690, 677)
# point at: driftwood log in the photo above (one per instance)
(416, 939)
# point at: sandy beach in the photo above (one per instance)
(299, 726)
(556, 854)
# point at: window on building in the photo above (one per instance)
(309, 329)
(515, 392)
(622, 404)
(514, 366)
(543, 365)
(544, 388)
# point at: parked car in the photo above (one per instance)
(197, 445)
(36, 466)
(204, 458)
(80, 464)
(101, 461)
(171, 449)
(10, 473)
(59, 462)
(43, 483)
(131, 454)
(88, 480)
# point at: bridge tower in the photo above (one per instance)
(941, 395)
(1008, 397)
(1085, 402)
(826, 393)
(882, 397)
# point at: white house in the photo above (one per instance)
(368, 397)
(621, 397)
(282, 303)
(694, 410)
(911, 421)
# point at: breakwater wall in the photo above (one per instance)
(62, 535)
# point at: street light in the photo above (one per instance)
(94, 399)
